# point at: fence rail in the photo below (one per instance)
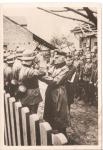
(22, 128)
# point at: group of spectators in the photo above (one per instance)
(69, 75)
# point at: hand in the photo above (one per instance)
(95, 84)
(47, 78)
(90, 82)
(79, 78)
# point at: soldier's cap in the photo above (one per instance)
(88, 56)
(69, 54)
(10, 59)
(80, 50)
(19, 51)
(76, 52)
(82, 57)
(87, 46)
(60, 52)
(28, 55)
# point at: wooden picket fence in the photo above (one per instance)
(23, 128)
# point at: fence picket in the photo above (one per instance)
(23, 128)
(33, 118)
(12, 99)
(17, 105)
(7, 96)
(5, 123)
(24, 111)
(59, 139)
(5, 136)
(44, 129)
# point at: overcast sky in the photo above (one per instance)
(42, 23)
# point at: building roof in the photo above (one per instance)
(19, 19)
(35, 37)
(91, 30)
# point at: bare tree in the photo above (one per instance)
(85, 12)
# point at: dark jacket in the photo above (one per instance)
(56, 100)
(28, 90)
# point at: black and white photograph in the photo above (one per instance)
(51, 75)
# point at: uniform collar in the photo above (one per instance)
(60, 65)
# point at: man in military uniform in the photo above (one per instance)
(70, 81)
(8, 73)
(87, 71)
(28, 90)
(56, 100)
(16, 69)
(78, 64)
(93, 82)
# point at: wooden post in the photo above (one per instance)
(5, 136)
(33, 119)
(24, 111)
(7, 96)
(45, 129)
(14, 116)
(17, 105)
(59, 139)
(5, 123)
(12, 99)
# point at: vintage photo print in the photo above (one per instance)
(52, 75)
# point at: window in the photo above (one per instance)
(95, 43)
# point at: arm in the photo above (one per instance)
(35, 72)
(60, 78)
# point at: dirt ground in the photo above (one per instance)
(84, 121)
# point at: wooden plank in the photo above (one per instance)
(20, 125)
(49, 137)
(24, 111)
(7, 96)
(17, 105)
(59, 139)
(12, 99)
(33, 119)
(44, 129)
(38, 139)
(8, 100)
(5, 123)
(5, 136)
(28, 128)
(14, 116)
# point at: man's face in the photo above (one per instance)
(29, 62)
(76, 57)
(58, 59)
(88, 60)
(69, 61)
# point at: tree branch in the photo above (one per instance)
(65, 16)
(91, 17)
(58, 10)
(77, 12)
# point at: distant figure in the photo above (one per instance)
(87, 71)
(70, 80)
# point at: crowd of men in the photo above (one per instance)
(69, 76)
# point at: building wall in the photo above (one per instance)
(82, 42)
(15, 35)
(93, 42)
